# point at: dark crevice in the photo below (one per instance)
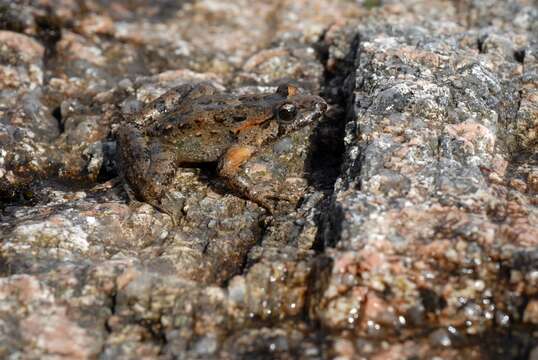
(327, 143)
(49, 32)
(113, 302)
(327, 156)
(331, 226)
(519, 55)
(57, 114)
(326, 162)
(480, 43)
(431, 301)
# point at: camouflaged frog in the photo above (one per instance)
(195, 124)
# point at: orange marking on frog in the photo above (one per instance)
(292, 91)
(251, 122)
(235, 157)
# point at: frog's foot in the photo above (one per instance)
(133, 202)
(282, 197)
(229, 168)
(159, 208)
(270, 201)
(262, 201)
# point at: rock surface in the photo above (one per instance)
(411, 229)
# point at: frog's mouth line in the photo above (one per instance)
(309, 119)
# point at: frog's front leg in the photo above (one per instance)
(161, 171)
(229, 167)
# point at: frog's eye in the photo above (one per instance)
(287, 112)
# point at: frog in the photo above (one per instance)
(196, 123)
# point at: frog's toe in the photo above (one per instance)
(275, 202)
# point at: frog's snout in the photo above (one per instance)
(321, 106)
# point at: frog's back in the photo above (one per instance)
(202, 130)
(194, 143)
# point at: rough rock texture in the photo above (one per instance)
(410, 228)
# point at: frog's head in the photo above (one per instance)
(297, 110)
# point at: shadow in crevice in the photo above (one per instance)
(324, 162)
(327, 141)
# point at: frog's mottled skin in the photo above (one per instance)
(195, 124)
